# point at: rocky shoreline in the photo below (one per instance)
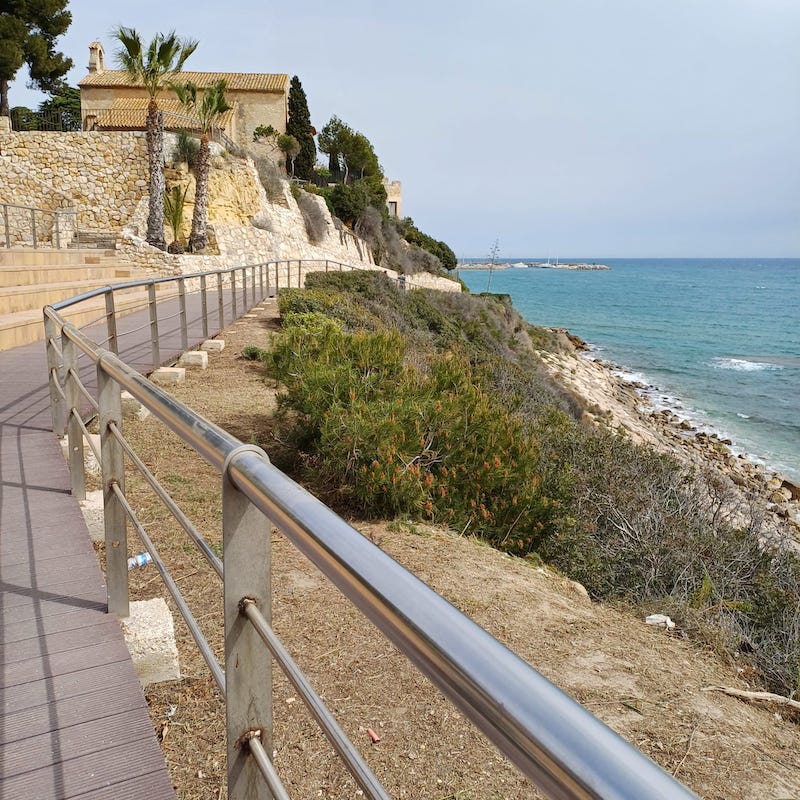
(624, 406)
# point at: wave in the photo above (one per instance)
(743, 365)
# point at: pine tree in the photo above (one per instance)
(28, 32)
(299, 126)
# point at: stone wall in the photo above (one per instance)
(102, 175)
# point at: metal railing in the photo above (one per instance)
(554, 741)
(27, 226)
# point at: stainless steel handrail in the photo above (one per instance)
(566, 751)
(29, 228)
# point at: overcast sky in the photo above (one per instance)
(560, 127)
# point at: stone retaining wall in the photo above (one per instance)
(102, 175)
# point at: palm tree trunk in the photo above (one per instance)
(155, 159)
(198, 239)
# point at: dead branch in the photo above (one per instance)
(767, 696)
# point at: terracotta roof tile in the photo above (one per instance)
(237, 81)
(131, 113)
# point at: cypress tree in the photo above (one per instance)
(28, 31)
(299, 126)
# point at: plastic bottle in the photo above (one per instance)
(139, 561)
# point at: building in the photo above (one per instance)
(394, 198)
(111, 101)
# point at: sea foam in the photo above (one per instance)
(743, 365)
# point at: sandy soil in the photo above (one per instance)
(644, 682)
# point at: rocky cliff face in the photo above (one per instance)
(246, 225)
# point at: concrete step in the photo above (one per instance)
(45, 256)
(28, 298)
(27, 326)
(62, 273)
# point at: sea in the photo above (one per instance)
(717, 341)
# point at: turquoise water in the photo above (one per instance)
(716, 340)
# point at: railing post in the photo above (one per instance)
(54, 367)
(220, 302)
(246, 537)
(277, 279)
(111, 322)
(261, 271)
(204, 304)
(56, 217)
(33, 228)
(155, 346)
(326, 265)
(5, 227)
(113, 474)
(77, 477)
(182, 314)
(234, 312)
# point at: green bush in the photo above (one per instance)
(187, 149)
(393, 440)
(435, 406)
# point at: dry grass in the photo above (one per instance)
(643, 682)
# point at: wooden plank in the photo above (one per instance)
(58, 641)
(47, 665)
(91, 772)
(75, 684)
(79, 708)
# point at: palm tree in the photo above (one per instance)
(165, 56)
(207, 112)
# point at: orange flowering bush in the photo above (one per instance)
(396, 441)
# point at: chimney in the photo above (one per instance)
(96, 57)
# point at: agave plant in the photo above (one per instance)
(207, 110)
(153, 68)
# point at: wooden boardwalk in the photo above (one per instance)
(74, 721)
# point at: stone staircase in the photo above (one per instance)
(31, 279)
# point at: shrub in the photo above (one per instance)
(435, 405)
(314, 219)
(395, 441)
(187, 149)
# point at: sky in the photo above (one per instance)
(562, 128)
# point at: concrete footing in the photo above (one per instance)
(90, 463)
(150, 637)
(196, 359)
(168, 376)
(92, 509)
(132, 408)
(213, 345)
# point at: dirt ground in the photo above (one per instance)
(644, 682)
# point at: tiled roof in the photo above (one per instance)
(237, 81)
(131, 113)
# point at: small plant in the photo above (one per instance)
(174, 203)
(264, 132)
(186, 149)
(253, 353)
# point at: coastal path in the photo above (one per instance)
(73, 718)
